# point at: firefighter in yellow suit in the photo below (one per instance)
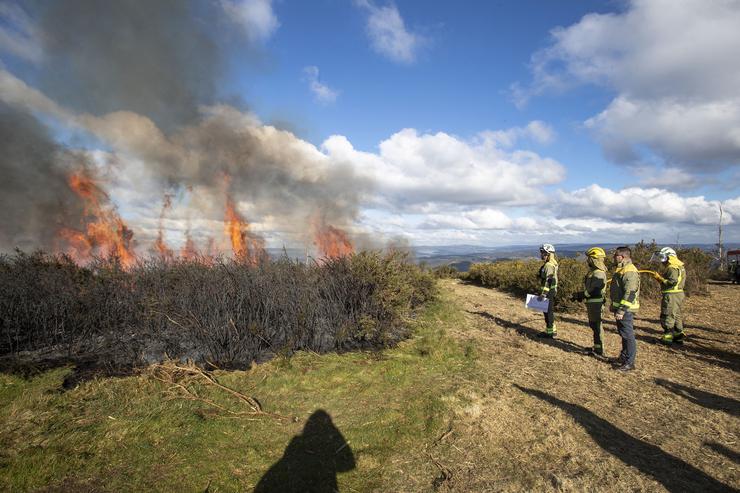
(672, 285)
(548, 276)
(593, 294)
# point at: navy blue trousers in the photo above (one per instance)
(627, 333)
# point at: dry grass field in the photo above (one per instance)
(473, 402)
(542, 415)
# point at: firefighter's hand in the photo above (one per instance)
(619, 315)
(541, 297)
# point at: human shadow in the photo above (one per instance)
(721, 449)
(311, 460)
(567, 346)
(692, 347)
(693, 326)
(697, 350)
(673, 473)
(702, 397)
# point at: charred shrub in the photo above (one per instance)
(224, 312)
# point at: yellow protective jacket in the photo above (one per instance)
(625, 288)
(675, 276)
(594, 285)
(549, 275)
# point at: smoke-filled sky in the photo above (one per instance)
(484, 123)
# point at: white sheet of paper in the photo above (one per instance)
(534, 304)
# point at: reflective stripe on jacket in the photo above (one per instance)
(675, 278)
(549, 275)
(625, 288)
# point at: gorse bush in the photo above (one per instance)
(520, 276)
(446, 272)
(226, 313)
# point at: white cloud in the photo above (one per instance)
(535, 130)
(388, 34)
(322, 92)
(18, 34)
(414, 169)
(256, 17)
(646, 205)
(675, 69)
(673, 178)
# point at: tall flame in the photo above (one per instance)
(104, 232)
(247, 247)
(331, 242)
(160, 245)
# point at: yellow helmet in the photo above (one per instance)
(596, 252)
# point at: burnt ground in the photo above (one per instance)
(542, 415)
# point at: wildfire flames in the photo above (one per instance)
(160, 246)
(331, 242)
(247, 247)
(104, 232)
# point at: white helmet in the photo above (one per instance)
(663, 254)
(547, 248)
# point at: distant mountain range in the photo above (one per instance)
(462, 256)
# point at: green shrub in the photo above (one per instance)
(446, 272)
(520, 276)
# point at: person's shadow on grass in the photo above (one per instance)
(311, 460)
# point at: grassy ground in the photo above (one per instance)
(129, 434)
(474, 402)
(551, 418)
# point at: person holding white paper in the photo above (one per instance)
(548, 276)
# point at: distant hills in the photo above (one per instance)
(462, 256)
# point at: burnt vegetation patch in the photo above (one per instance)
(221, 313)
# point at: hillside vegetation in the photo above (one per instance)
(520, 276)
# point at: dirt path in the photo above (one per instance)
(542, 415)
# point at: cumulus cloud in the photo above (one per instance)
(535, 130)
(413, 169)
(388, 33)
(256, 17)
(675, 69)
(321, 92)
(647, 205)
(673, 178)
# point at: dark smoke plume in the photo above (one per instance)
(149, 57)
(140, 76)
(35, 199)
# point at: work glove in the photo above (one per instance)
(658, 277)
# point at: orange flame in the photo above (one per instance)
(189, 251)
(104, 233)
(247, 247)
(331, 242)
(160, 245)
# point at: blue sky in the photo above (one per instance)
(485, 122)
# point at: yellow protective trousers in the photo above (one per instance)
(671, 318)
